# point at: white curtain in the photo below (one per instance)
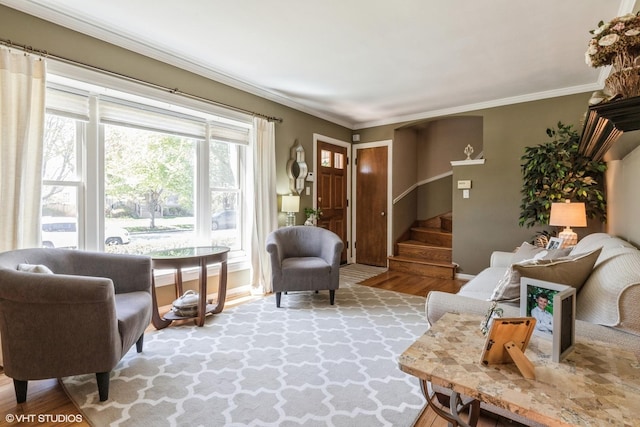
(22, 109)
(265, 201)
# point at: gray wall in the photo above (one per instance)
(623, 214)
(423, 153)
(488, 220)
(404, 158)
(435, 198)
(405, 143)
(444, 140)
(439, 143)
(404, 214)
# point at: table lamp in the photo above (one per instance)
(291, 205)
(568, 215)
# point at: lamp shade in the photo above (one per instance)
(568, 214)
(290, 203)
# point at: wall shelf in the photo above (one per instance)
(605, 123)
(467, 162)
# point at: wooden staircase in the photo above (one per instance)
(425, 250)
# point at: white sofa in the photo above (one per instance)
(607, 305)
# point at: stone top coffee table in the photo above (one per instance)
(598, 384)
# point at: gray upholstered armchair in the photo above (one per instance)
(304, 258)
(81, 319)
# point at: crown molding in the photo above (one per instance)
(572, 90)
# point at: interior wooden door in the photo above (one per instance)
(371, 206)
(331, 188)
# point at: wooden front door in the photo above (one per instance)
(332, 190)
(371, 206)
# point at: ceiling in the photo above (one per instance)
(359, 63)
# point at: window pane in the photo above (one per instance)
(338, 161)
(149, 183)
(223, 169)
(225, 194)
(59, 157)
(225, 219)
(325, 158)
(147, 176)
(59, 216)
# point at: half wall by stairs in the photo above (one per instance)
(426, 249)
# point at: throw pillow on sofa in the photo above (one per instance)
(35, 268)
(572, 270)
(527, 252)
(508, 289)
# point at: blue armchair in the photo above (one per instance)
(304, 258)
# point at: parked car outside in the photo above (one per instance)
(224, 220)
(62, 232)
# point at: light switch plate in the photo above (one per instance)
(464, 184)
(465, 194)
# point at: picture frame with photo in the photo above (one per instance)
(554, 243)
(553, 305)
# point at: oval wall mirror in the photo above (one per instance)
(297, 168)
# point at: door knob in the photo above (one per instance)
(382, 213)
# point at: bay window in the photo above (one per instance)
(125, 173)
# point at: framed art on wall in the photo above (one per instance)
(553, 306)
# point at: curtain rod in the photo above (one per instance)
(176, 91)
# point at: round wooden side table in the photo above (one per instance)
(190, 257)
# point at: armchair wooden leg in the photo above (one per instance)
(21, 390)
(103, 385)
(278, 297)
(139, 343)
(332, 296)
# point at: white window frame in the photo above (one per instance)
(91, 157)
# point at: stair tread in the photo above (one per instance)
(431, 229)
(420, 261)
(423, 244)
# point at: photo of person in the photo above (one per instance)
(553, 307)
(544, 319)
(554, 243)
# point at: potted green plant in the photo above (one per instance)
(555, 171)
(312, 215)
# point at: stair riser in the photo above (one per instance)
(425, 254)
(429, 223)
(446, 224)
(443, 222)
(432, 238)
(422, 269)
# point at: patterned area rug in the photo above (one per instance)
(307, 363)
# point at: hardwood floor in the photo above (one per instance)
(412, 284)
(47, 403)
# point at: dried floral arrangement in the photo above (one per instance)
(620, 36)
(617, 43)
